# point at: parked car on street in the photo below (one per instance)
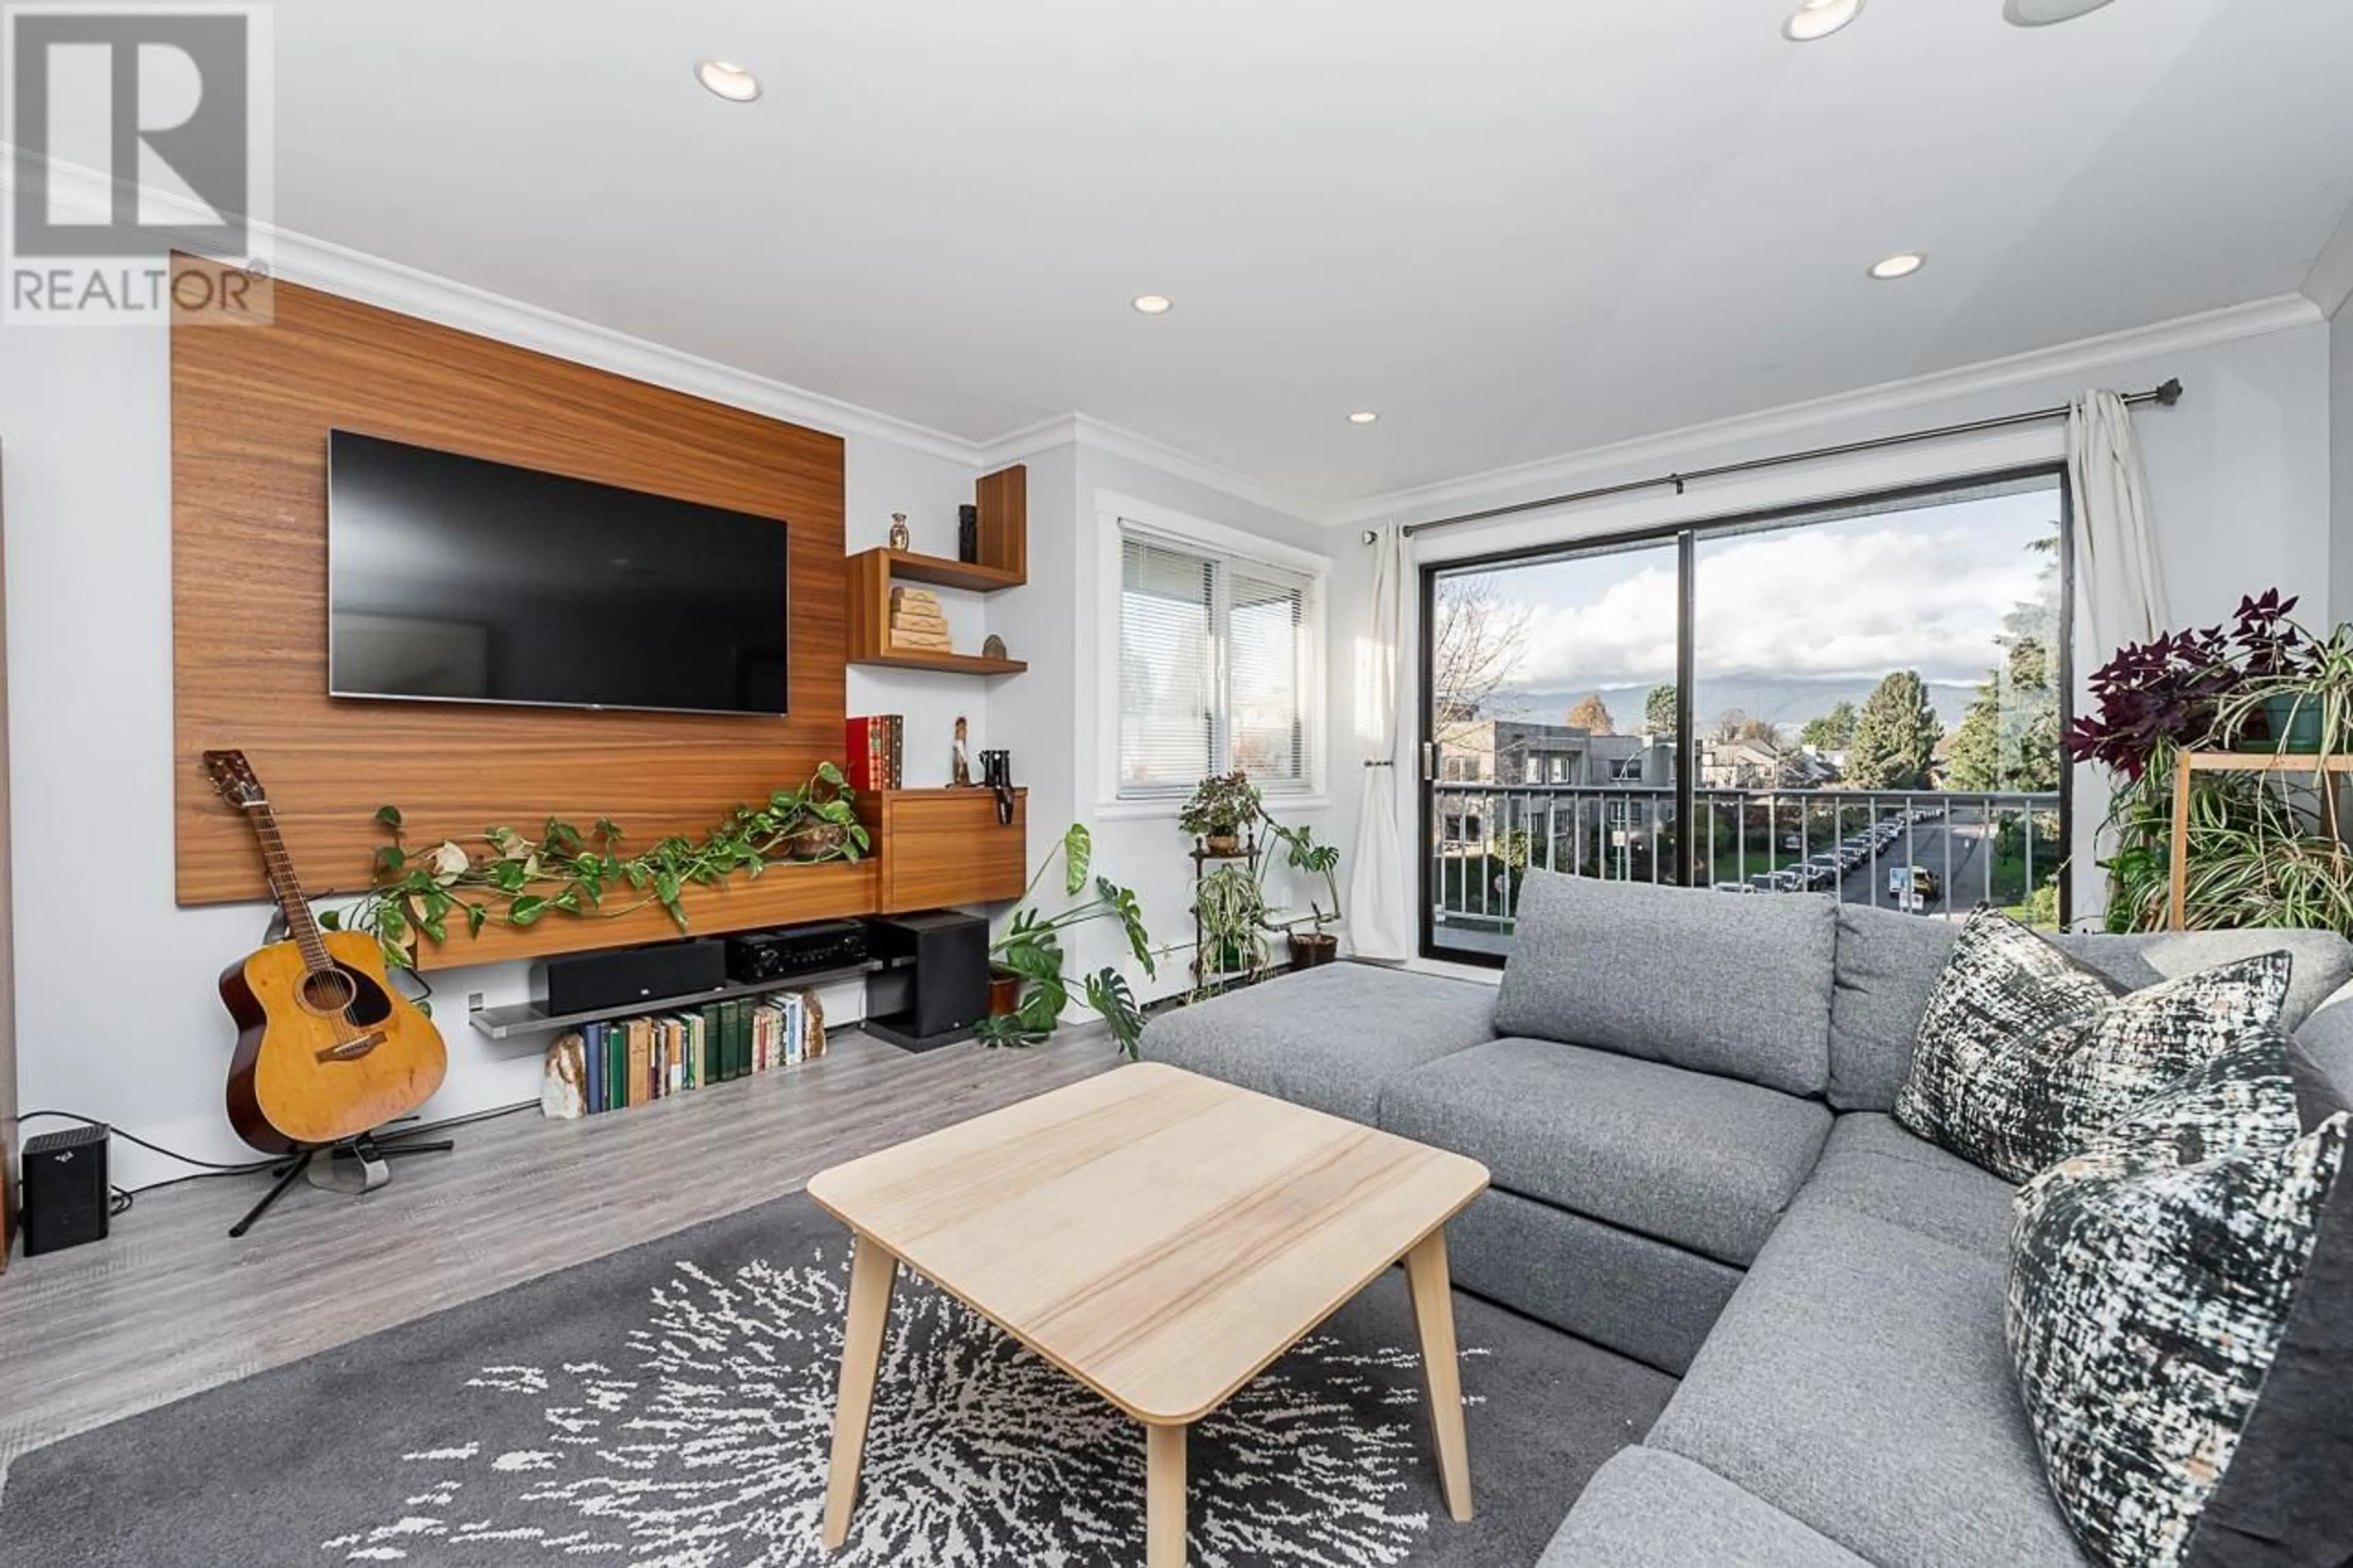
(1913, 880)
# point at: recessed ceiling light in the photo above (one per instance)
(1152, 304)
(1818, 19)
(728, 79)
(1901, 265)
(2043, 13)
(1362, 416)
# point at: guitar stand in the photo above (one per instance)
(366, 1151)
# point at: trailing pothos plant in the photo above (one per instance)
(502, 877)
(1031, 948)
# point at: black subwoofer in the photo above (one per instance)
(65, 1189)
(934, 986)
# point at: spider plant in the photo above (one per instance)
(1232, 907)
(2262, 850)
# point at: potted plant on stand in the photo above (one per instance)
(2262, 848)
(1314, 947)
(1224, 805)
(1028, 991)
(1231, 907)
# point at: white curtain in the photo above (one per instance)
(1380, 912)
(2116, 557)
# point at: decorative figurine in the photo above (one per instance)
(962, 774)
(917, 622)
(900, 538)
(993, 646)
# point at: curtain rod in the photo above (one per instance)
(2164, 395)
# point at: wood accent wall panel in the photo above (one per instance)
(1003, 500)
(945, 847)
(252, 409)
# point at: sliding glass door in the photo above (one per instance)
(1863, 699)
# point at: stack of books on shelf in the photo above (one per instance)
(630, 1061)
(878, 747)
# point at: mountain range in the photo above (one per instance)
(1785, 701)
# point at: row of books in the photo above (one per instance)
(878, 746)
(630, 1061)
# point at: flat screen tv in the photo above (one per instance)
(450, 579)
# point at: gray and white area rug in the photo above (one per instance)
(671, 1406)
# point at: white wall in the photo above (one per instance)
(2340, 464)
(118, 1013)
(2239, 473)
(1051, 717)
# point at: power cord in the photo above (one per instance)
(120, 1199)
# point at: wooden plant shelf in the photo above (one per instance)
(906, 566)
(2317, 765)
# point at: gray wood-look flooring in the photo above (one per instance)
(168, 1305)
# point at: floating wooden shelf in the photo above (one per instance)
(906, 566)
(952, 663)
(869, 575)
(782, 895)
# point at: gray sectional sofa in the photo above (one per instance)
(1684, 1098)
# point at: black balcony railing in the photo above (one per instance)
(1926, 852)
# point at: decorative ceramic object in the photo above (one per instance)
(917, 622)
(993, 646)
(962, 774)
(900, 538)
(563, 1084)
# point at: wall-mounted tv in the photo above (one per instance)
(452, 579)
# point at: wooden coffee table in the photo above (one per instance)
(1161, 1237)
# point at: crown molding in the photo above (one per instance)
(2084, 358)
(2329, 284)
(304, 259)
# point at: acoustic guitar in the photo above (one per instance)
(326, 1049)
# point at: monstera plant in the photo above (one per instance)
(1030, 952)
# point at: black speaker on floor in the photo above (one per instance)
(587, 981)
(65, 1189)
(934, 986)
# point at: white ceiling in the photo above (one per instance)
(1516, 229)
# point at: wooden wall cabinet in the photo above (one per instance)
(941, 847)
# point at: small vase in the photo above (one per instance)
(2293, 719)
(1004, 993)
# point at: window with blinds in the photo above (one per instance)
(1214, 669)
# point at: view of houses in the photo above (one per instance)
(1898, 745)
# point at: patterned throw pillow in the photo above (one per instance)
(2180, 1314)
(2024, 1053)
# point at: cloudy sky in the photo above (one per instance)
(1924, 589)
